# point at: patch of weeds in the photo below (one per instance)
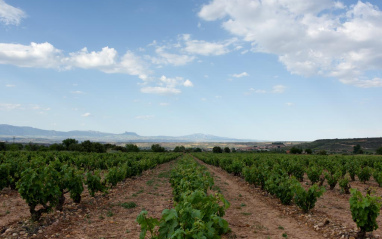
(216, 188)
(137, 193)
(87, 216)
(246, 213)
(226, 183)
(240, 195)
(127, 230)
(150, 182)
(109, 213)
(281, 227)
(89, 221)
(259, 227)
(101, 217)
(7, 212)
(128, 205)
(242, 205)
(285, 235)
(164, 174)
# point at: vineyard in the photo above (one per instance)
(198, 195)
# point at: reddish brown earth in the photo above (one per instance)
(253, 213)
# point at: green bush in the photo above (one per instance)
(364, 174)
(306, 200)
(314, 173)
(364, 211)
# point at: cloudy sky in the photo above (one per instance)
(268, 70)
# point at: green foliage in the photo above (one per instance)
(93, 181)
(68, 142)
(344, 185)
(378, 177)
(39, 186)
(308, 151)
(314, 173)
(217, 149)
(196, 214)
(364, 211)
(332, 179)
(128, 205)
(379, 151)
(132, 148)
(364, 174)
(227, 150)
(147, 224)
(157, 148)
(306, 200)
(114, 175)
(179, 149)
(352, 168)
(295, 150)
(5, 169)
(357, 149)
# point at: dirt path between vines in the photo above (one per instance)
(250, 216)
(110, 216)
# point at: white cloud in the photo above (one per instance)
(144, 117)
(77, 92)
(43, 55)
(240, 75)
(38, 107)
(105, 58)
(86, 115)
(166, 58)
(289, 104)
(5, 106)
(188, 83)
(167, 86)
(310, 38)
(10, 15)
(278, 89)
(200, 47)
(164, 104)
(160, 90)
(10, 85)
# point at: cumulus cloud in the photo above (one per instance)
(7, 107)
(45, 55)
(165, 58)
(200, 47)
(10, 15)
(103, 59)
(310, 38)
(167, 86)
(278, 89)
(86, 115)
(240, 75)
(188, 83)
(160, 90)
(10, 85)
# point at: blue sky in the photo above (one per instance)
(267, 70)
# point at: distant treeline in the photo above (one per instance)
(88, 146)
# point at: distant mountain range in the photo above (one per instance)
(27, 134)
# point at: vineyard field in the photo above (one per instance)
(265, 194)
